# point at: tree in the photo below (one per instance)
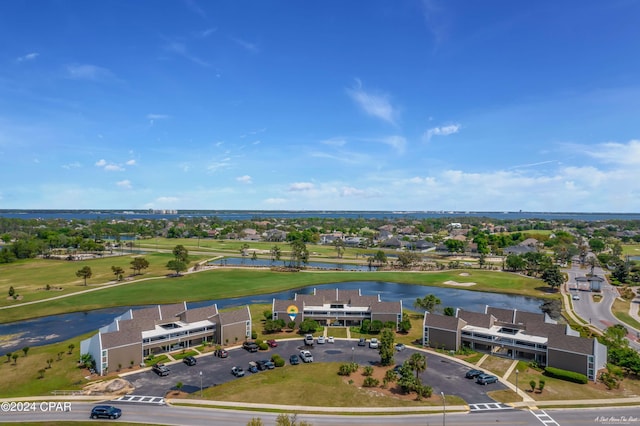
(8, 354)
(41, 373)
(25, 350)
(138, 264)
(118, 272)
(406, 259)
(181, 253)
(71, 347)
(49, 362)
(614, 336)
(386, 348)
(299, 254)
(449, 311)
(177, 265)
(14, 356)
(553, 277)
(428, 303)
(454, 246)
(179, 386)
(389, 377)
(254, 257)
(84, 273)
(12, 291)
(553, 308)
(275, 253)
(380, 258)
(287, 420)
(418, 363)
(338, 244)
(532, 383)
(596, 244)
(621, 272)
(308, 326)
(256, 421)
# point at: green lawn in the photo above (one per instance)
(620, 310)
(227, 282)
(29, 278)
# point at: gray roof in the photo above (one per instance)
(199, 314)
(235, 316)
(580, 345)
(443, 322)
(477, 319)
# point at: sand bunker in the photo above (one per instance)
(459, 284)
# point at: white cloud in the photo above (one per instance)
(88, 72)
(181, 49)
(157, 116)
(101, 163)
(376, 105)
(398, 143)
(244, 179)
(337, 141)
(206, 33)
(113, 168)
(616, 153)
(436, 19)
(74, 165)
(441, 131)
(125, 184)
(251, 47)
(222, 164)
(28, 57)
(131, 163)
(301, 186)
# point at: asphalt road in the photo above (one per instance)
(442, 374)
(196, 416)
(597, 313)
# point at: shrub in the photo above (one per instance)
(368, 371)
(254, 335)
(541, 384)
(347, 369)
(263, 346)
(370, 382)
(277, 360)
(532, 383)
(569, 376)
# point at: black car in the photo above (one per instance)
(105, 412)
(189, 360)
(472, 374)
(294, 360)
(160, 369)
(250, 346)
(362, 342)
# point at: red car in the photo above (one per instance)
(272, 343)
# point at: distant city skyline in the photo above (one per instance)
(417, 105)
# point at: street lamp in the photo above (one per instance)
(444, 409)
(201, 384)
(352, 352)
(516, 382)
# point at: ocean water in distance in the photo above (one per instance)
(294, 214)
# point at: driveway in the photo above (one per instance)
(443, 374)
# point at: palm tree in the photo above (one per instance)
(418, 363)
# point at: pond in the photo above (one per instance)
(247, 261)
(57, 328)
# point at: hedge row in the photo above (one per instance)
(569, 376)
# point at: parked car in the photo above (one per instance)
(308, 340)
(294, 360)
(575, 297)
(306, 356)
(265, 364)
(272, 343)
(189, 360)
(105, 412)
(221, 353)
(160, 369)
(472, 374)
(250, 346)
(321, 340)
(362, 342)
(330, 339)
(253, 367)
(237, 371)
(484, 379)
(373, 343)
(400, 347)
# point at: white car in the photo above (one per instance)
(306, 356)
(330, 339)
(400, 347)
(373, 343)
(321, 340)
(575, 297)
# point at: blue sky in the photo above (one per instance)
(331, 105)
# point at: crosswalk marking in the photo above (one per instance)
(142, 399)
(486, 406)
(544, 418)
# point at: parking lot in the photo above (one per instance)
(443, 374)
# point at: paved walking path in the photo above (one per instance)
(481, 360)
